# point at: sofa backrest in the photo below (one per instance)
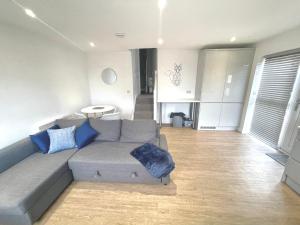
(63, 123)
(109, 130)
(115, 130)
(138, 131)
(12, 154)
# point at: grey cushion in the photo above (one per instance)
(16, 152)
(25, 183)
(63, 123)
(138, 131)
(109, 129)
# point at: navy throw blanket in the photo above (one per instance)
(157, 161)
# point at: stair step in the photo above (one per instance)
(145, 96)
(144, 107)
(143, 115)
(144, 100)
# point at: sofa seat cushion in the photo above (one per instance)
(109, 162)
(106, 152)
(24, 183)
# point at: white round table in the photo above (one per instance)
(97, 109)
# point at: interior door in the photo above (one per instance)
(292, 118)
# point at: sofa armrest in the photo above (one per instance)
(163, 142)
(157, 131)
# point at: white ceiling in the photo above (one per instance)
(184, 23)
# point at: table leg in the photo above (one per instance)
(193, 115)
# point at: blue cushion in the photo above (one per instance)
(42, 140)
(85, 134)
(61, 139)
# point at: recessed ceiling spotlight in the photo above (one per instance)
(120, 35)
(233, 39)
(162, 4)
(30, 13)
(160, 41)
(92, 44)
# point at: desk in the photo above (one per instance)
(97, 109)
(192, 102)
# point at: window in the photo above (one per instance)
(276, 85)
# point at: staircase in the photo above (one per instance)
(144, 107)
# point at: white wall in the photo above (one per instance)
(135, 54)
(39, 80)
(120, 93)
(166, 90)
(282, 42)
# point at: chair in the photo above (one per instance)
(115, 115)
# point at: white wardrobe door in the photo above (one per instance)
(209, 115)
(239, 64)
(214, 73)
(230, 114)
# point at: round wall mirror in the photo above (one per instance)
(109, 76)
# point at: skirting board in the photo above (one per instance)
(220, 129)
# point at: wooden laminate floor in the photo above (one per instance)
(220, 178)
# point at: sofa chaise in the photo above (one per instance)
(31, 181)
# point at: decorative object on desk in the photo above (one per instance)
(109, 76)
(98, 107)
(175, 75)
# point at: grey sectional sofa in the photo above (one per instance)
(31, 181)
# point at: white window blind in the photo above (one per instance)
(276, 85)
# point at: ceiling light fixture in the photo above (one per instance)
(92, 44)
(30, 13)
(162, 4)
(233, 39)
(160, 41)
